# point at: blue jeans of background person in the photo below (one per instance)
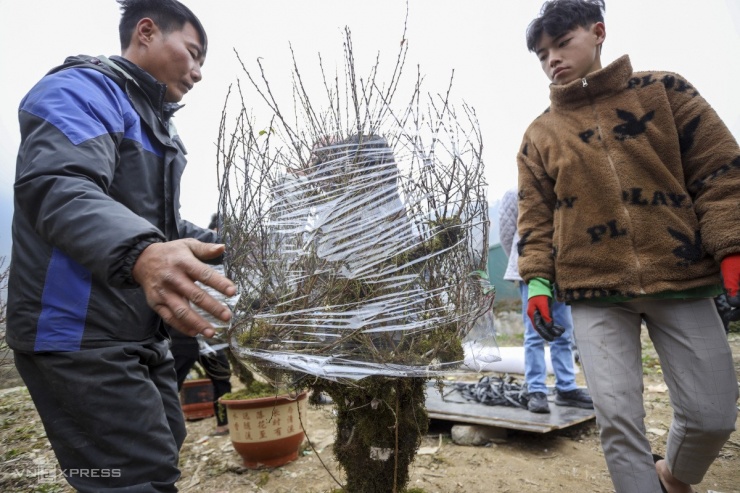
(561, 352)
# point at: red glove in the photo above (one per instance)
(538, 311)
(730, 267)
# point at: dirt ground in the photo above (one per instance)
(569, 460)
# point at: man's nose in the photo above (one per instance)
(196, 73)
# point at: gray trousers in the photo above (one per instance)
(698, 370)
(112, 415)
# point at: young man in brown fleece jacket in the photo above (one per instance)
(629, 186)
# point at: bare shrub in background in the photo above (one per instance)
(8, 375)
(4, 272)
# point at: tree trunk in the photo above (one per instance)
(380, 424)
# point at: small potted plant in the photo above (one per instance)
(265, 425)
(264, 422)
(196, 398)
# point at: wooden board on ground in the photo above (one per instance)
(454, 407)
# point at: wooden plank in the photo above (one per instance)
(453, 407)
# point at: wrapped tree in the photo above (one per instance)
(358, 239)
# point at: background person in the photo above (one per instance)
(567, 392)
(189, 350)
(100, 255)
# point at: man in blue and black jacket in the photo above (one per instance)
(101, 256)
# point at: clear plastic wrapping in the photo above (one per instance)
(359, 247)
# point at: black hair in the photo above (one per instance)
(560, 16)
(215, 220)
(169, 15)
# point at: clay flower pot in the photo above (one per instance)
(266, 432)
(196, 399)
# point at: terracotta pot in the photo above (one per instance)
(196, 399)
(267, 431)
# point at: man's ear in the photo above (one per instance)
(598, 29)
(145, 31)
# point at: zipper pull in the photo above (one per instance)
(585, 82)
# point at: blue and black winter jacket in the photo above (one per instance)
(97, 173)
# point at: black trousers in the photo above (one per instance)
(112, 415)
(216, 366)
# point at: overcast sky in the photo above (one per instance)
(482, 40)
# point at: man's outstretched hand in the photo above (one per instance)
(167, 273)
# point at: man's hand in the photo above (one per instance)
(167, 273)
(538, 311)
(730, 267)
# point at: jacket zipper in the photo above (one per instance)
(614, 170)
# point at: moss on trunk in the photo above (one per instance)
(380, 424)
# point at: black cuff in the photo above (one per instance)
(132, 256)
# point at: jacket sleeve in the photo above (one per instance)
(536, 207)
(71, 125)
(711, 163)
(186, 229)
(508, 214)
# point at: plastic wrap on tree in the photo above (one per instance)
(359, 240)
(228, 301)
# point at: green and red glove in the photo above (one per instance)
(539, 309)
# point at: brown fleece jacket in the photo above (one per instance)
(629, 185)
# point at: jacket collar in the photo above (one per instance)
(151, 87)
(603, 83)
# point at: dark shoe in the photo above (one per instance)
(538, 403)
(574, 398)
